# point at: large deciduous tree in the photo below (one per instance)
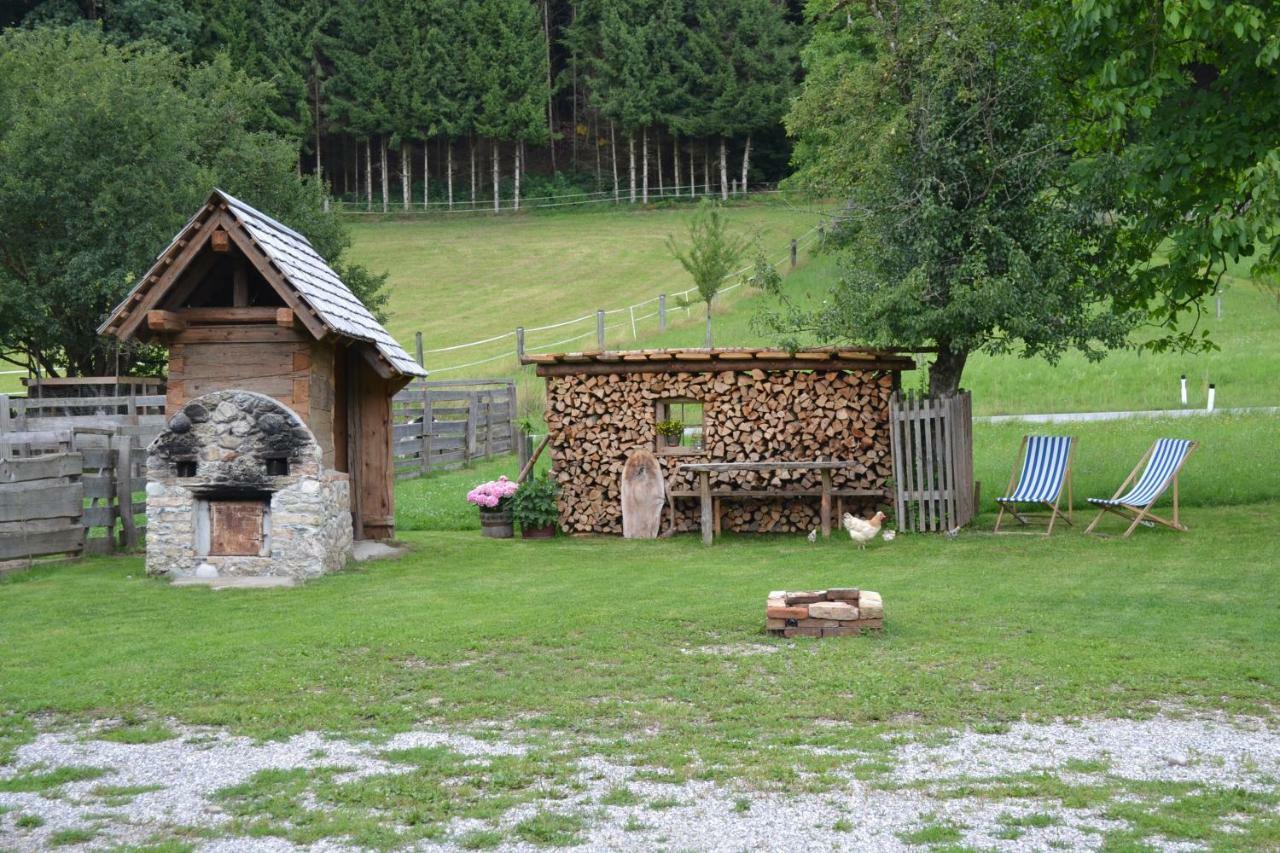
(1188, 92)
(104, 152)
(967, 228)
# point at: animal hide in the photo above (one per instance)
(643, 495)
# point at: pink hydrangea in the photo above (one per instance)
(493, 493)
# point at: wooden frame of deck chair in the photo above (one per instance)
(1045, 469)
(1163, 460)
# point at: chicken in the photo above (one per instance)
(813, 536)
(888, 535)
(861, 530)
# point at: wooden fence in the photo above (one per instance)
(933, 461)
(140, 416)
(69, 492)
(442, 424)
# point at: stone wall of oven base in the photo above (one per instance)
(310, 532)
(750, 416)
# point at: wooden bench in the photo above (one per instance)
(711, 497)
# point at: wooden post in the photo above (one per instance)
(826, 503)
(511, 411)
(417, 344)
(662, 313)
(600, 329)
(704, 485)
(519, 343)
(428, 428)
(5, 425)
(122, 445)
(793, 252)
(470, 450)
(488, 425)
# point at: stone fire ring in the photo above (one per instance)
(842, 612)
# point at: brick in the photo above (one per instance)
(810, 597)
(843, 594)
(778, 593)
(842, 610)
(802, 632)
(786, 612)
(817, 623)
(850, 630)
(870, 624)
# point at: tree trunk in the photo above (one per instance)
(519, 166)
(693, 174)
(551, 122)
(426, 175)
(724, 172)
(631, 145)
(473, 172)
(644, 157)
(706, 167)
(657, 154)
(708, 340)
(368, 173)
(448, 148)
(613, 153)
(746, 160)
(386, 177)
(497, 201)
(406, 174)
(316, 80)
(675, 162)
(945, 371)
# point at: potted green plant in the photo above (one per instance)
(672, 431)
(534, 507)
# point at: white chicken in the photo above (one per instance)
(888, 535)
(813, 536)
(861, 530)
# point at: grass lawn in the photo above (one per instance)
(467, 278)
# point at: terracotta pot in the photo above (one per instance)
(537, 532)
(497, 525)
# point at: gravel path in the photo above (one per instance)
(1207, 751)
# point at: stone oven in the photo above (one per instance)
(237, 487)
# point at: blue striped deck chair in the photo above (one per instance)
(1046, 467)
(1163, 460)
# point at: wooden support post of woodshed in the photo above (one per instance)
(708, 522)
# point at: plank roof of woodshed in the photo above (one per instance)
(717, 360)
(300, 266)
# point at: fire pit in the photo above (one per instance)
(843, 612)
(237, 487)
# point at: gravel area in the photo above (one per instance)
(1208, 751)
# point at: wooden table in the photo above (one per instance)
(704, 471)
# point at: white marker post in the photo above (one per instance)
(1212, 392)
(1184, 389)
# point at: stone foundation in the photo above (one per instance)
(823, 613)
(237, 488)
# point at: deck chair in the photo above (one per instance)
(1046, 467)
(1163, 461)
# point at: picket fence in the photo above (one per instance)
(933, 461)
(442, 424)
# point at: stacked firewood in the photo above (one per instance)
(823, 613)
(595, 421)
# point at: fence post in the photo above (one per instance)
(793, 252)
(470, 438)
(511, 412)
(122, 445)
(662, 313)
(417, 344)
(519, 343)
(428, 428)
(600, 328)
(5, 426)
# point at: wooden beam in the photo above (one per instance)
(267, 270)
(285, 317)
(173, 267)
(239, 284)
(255, 334)
(165, 321)
(375, 360)
(235, 316)
(220, 241)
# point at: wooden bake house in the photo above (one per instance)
(243, 302)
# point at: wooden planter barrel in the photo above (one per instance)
(497, 525)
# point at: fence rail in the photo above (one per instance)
(932, 461)
(443, 424)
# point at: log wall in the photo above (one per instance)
(595, 421)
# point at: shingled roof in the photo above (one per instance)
(301, 268)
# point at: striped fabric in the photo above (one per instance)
(1165, 459)
(1043, 469)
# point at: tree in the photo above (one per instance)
(1188, 93)
(711, 255)
(968, 226)
(104, 153)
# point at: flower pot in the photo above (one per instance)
(496, 524)
(673, 440)
(537, 532)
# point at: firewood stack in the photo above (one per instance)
(596, 420)
(823, 613)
